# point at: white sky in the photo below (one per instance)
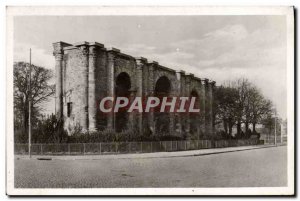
(215, 47)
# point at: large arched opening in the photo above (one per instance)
(122, 89)
(162, 119)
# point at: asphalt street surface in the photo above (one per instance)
(266, 167)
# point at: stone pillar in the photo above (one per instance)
(212, 112)
(92, 105)
(84, 55)
(140, 63)
(111, 55)
(151, 84)
(59, 54)
(64, 81)
(207, 108)
(58, 86)
(188, 94)
(131, 116)
(179, 75)
(172, 117)
(198, 116)
(202, 106)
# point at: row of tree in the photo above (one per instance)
(240, 102)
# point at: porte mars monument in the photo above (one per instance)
(87, 72)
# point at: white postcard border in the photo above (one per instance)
(122, 10)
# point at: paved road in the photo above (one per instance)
(252, 168)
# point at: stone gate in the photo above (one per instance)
(87, 71)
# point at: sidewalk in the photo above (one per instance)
(145, 155)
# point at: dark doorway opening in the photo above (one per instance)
(123, 85)
(162, 119)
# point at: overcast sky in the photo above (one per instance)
(216, 47)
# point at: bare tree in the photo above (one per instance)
(225, 102)
(242, 86)
(259, 107)
(40, 91)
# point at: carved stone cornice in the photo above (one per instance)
(58, 56)
(111, 56)
(189, 78)
(84, 50)
(112, 53)
(181, 72)
(153, 65)
(58, 48)
(140, 62)
(93, 51)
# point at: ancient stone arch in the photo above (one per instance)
(123, 86)
(171, 77)
(90, 71)
(163, 88)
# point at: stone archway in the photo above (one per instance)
(122, 89)
(162, 119)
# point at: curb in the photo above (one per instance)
(49, 158)
(221, 152)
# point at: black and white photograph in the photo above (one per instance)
(150, 100)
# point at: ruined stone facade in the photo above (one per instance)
(87, 72)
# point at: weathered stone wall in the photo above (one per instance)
(87, 72)
(76, 87)
(101, 85)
